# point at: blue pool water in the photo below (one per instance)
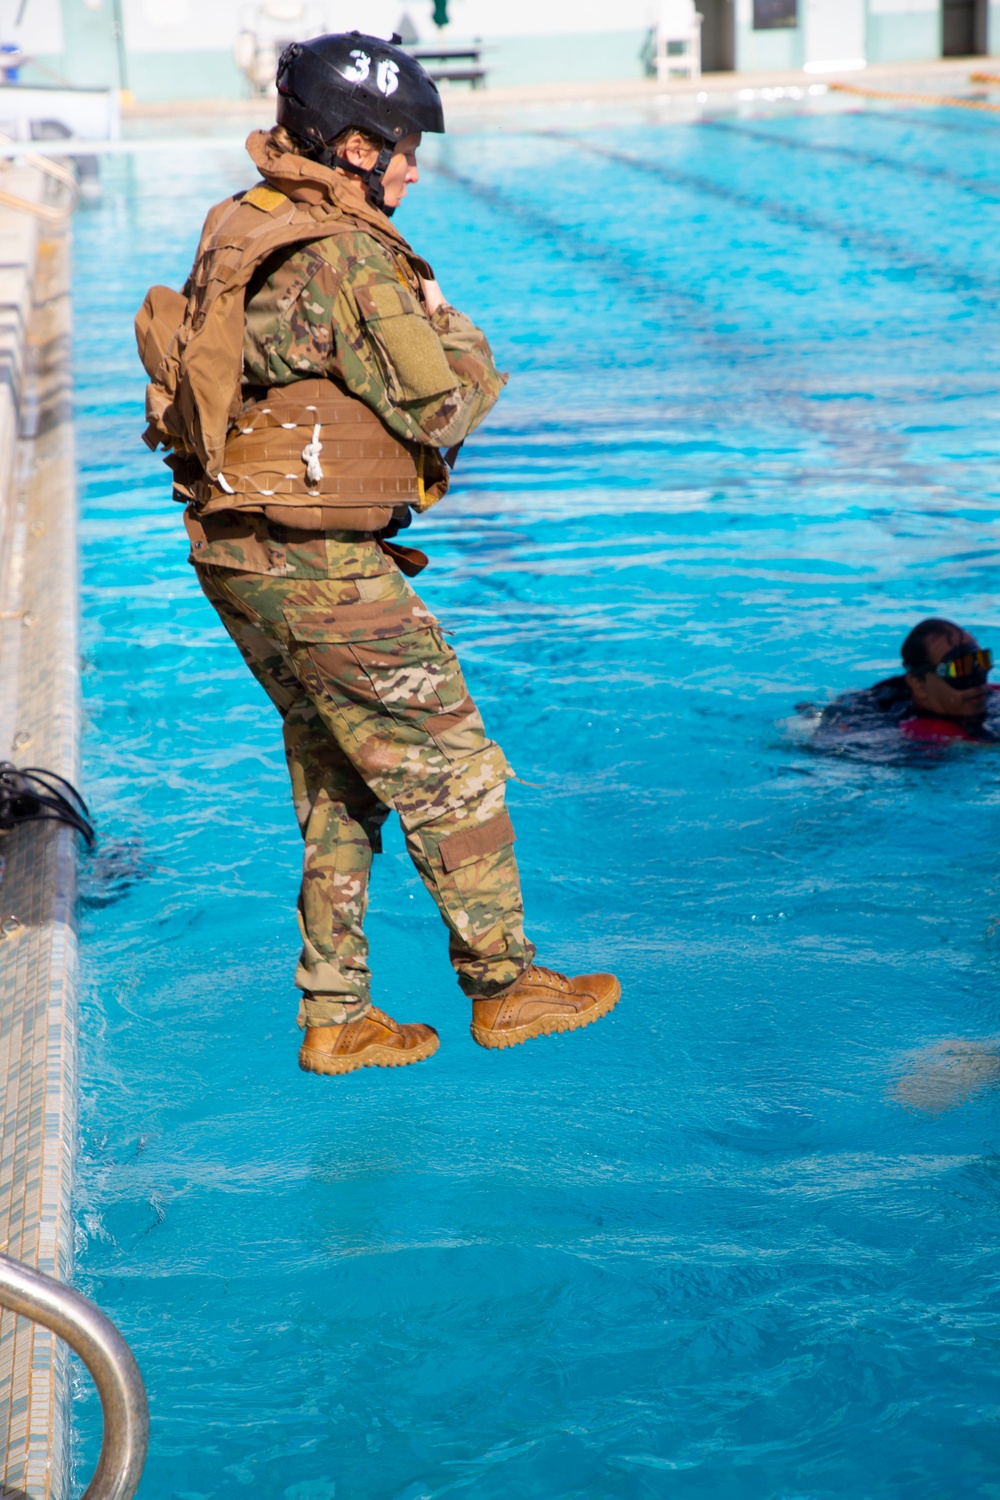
(700, 1250)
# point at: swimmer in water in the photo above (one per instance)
(943, 694)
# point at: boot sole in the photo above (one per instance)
(545, 1025)
(330, 1065)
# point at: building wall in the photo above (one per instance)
(555, 58)
(156, 77)
(903, 30)
(768, 51)
(892, 31)
(88, 55)
(183, 49)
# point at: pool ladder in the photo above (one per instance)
(108, 1358)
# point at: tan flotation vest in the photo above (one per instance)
(312, 455)
(309, 454)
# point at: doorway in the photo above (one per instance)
(834, 33)
(718, 35)
(964, 25)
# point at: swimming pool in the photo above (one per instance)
(698, 1250)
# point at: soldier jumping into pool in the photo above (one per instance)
(307, 383)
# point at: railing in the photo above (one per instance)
(108, 1358)
(52, 213)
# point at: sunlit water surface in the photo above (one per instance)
(700, 1250)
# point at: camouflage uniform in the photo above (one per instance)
(343, 308)
(376, 712)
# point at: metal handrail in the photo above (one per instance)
(108, 1358)
(53, 214)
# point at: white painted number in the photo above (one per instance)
(362, 67)
(387, 77)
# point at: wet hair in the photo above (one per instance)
(914, 648)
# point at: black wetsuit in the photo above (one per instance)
(889, 704)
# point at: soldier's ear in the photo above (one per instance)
(358, 152)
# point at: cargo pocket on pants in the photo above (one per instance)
(467, 845)
(385, 655)
(414, 677)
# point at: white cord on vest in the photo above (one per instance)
(310, 457)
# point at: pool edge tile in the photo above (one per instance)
(39, 725)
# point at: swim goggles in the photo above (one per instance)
(962, 668)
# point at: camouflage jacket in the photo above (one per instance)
(351, 307)
(339, 307)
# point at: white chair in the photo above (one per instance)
(267, 26)
(678, 40)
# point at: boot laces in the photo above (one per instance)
(382, 1019)
(550, 973)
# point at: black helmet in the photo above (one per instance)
(332, 83)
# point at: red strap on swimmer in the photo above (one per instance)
(934, 729)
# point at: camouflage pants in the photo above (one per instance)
(377, 716)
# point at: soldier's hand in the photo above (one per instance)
(433, 295)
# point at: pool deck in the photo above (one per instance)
(39, 725)
(475, 108)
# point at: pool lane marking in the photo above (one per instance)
(951, 278)
(684, 305)
(688, 305)
(746, 353)
(970, 130)
(989, 190)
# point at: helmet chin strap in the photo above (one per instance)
(370, 176)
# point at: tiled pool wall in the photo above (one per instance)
(39, 696)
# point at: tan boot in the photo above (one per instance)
(541, 1002)
(376, 1041)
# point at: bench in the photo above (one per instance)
(440, 63)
